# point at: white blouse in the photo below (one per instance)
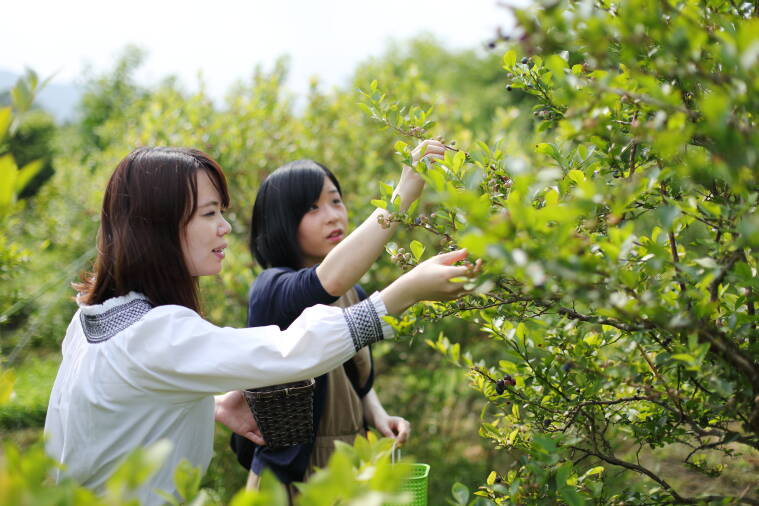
(132, 376)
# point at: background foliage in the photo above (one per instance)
(603, 162)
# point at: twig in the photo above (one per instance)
(642, 470)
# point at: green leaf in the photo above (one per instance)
(8, 175)
(26, 173)
(385, 189)
(379, 203)
(510, 58)
(187, 479)
(706, 262)
(551, 197)
(412, 208)
(667, 216)
(417, 249)
(6, 116)
(571, 496)
(7, 380)
(593, 471)
(577, 176)
(460, 492)
(545, 149)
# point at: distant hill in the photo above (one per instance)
(60, 99)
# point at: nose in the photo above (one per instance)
(333, 214)
(224, 227)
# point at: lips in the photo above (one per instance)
(335, 235)
(219, 252)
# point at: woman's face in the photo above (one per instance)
(203, 238)
(323, 226)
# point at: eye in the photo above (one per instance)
(210, 213)
(313, 207)
(337, 201)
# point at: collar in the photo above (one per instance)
(100, 322)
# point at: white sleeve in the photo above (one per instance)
(174, 349)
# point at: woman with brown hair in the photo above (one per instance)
(139, 362)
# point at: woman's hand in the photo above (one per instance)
(411, 183)
(232, 411)
(430, 280)
(395, 427)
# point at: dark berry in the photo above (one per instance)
(508, 380)
(508, 87)
(498, 479)
(491, 45)
(500, 387)
(525, 60)
(667, 341)
(568, 366)
(546, 423)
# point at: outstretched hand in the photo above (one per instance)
(434, 279)
(232, 411)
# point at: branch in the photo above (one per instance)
(611, 459)
(571, 313)
(676, 259)
(647, 100)
(714, 287)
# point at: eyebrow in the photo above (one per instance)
(212, 203)
(333, 190)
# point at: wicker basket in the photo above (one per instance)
(284, 413)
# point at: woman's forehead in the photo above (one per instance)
(329, 186)
(206, 189)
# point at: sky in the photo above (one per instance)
(225, 39)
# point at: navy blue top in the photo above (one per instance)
(277, 297)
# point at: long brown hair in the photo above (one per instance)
(149, 199)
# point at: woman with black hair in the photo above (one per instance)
(140, 364)
(299, 234)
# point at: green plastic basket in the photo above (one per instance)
(415, 484)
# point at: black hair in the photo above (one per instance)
(283, 198)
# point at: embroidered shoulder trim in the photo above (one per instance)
(103, 326)
(363, 324)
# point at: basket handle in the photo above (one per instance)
(395, 456)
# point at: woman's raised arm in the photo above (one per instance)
(349, 260)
